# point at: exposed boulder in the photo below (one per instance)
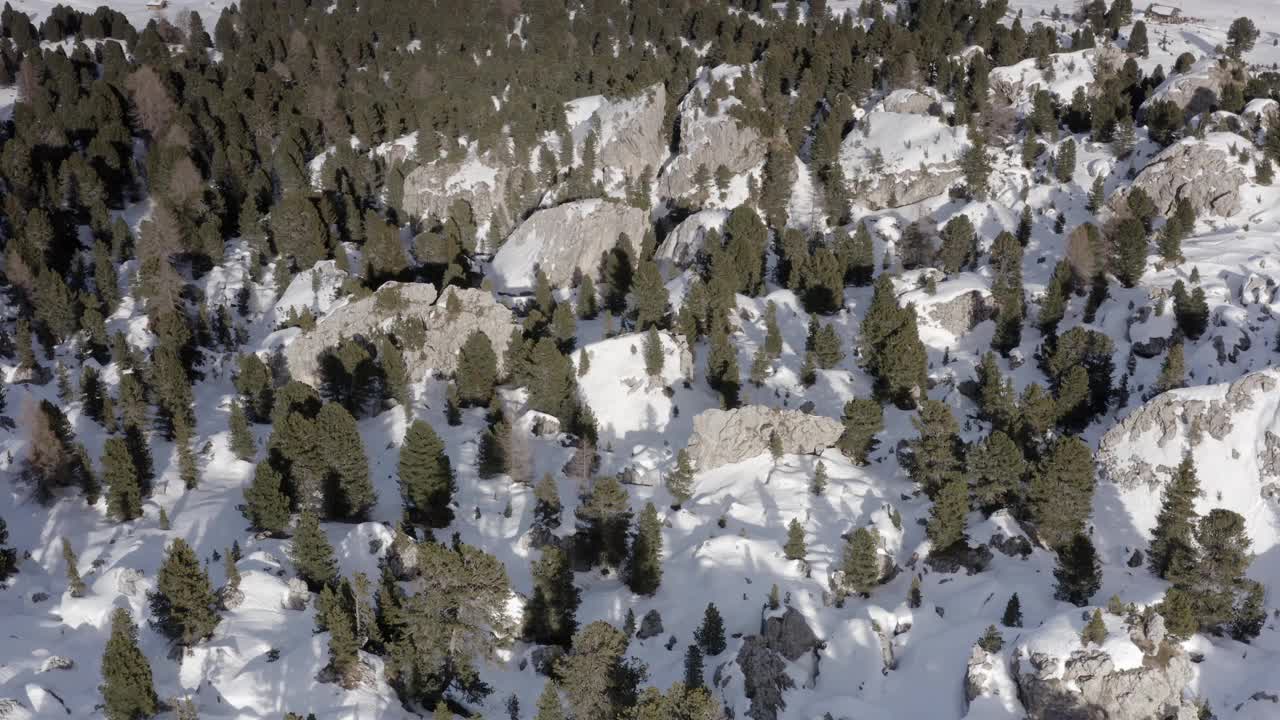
(443, 333)
(906, 100)
(482, 182)
(127, 581)
(721, 437)
(711, 135)
(765, 678)
(1089, 687)
(402, 557)
(230, 598)
(1204, 174)
(57, 662)
(681, 246)
(11, 709)
(297, 596)
(1197, 90)
(789, 635)
(565, 241)
(897, 159)
(650, 625)
(629, 131)
(978, 675)
(1016, 546)
(962, 313)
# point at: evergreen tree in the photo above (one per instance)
(1173, 372)
(644, 567)
(1211, 573)
(599, 682)
(915, 598)
(348, 491)
(819, 483)
(795, 548)
(991, 641)
(1138, 39)
(551, 615)
(549, 707)
(1191, 311)
(182, 604)
(694, 675)
(127, 689)
(604, 521)
(650, 296)
(266, 505)
(1240, 37)
(775, 446)
(935, 453)
(311, 552)
(242, 443)
(587, 304)
(1097, 194)
(1006, 289)
(946, 528)
(710, 635)
(75, 585)
(680, 481)
(976, 165)
(861, 261)
(863, 420)
(1064, 166)
(1095, 631)
(1131, 252)
(996, 468)
(426, 475)
(826, 347)
(1078, 572)
(722, 367)
(654, 358)
(1061, 493)
(124, 492)
(772, 336)
(959, 244)
(546, 509)
(187, 468)
(861, 562)
(477, 371)
(1012, 612)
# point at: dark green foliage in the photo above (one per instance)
(1173, 372)
(722, 367)
(546, 509)
(8, 556)
(127, 689)
(604, 521)
(1191, 310)
(348, 375)
(946, 528)
(935, 452)
(861, 561)
(598, 680)
(863, 419)
(996, 468)
(1241, 36)
(242, 443)
(253, 382)
(1006, 289)
(1012, 612)
(551, 616)
(182, 604)
(680, 481)
(311, 552)
(795, 548)
(426, 475)
(1078, 572)
(549, 707)
(266, 505)
(976, 164)
(996, 398)
(654, 357)
(1064, 165)
(710, 635)
(959, 244)
(477, 371)
(694, 674)
(818, 484)
(915, 598)
(75, 584)
(348, 491)
(1087, 350)
(1095, 631)
(124, 491)
(826, 347)
(650, 296)
(552, 382)
(1210, 572)
(1130, 257)
(644, 566)
(1061, 493)
(991, 641)
(395, 374)
(493, 454)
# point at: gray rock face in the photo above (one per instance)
(765, 678)
(444, 334)
(680, 247)
(11, 709)
(977, 675)
(1197, 90)
(297, 596)
(711, 136)
(650, 625)
(230, 598)
(631, 132)
(963, 312)
(1205, 175)
(127, 581)
(479, 181)
(1092, 689)
(402, 556)
(906, 100)
(721, 437)
(57, 662)
(565, 240)
(911, 186)
(789, 635)
(1175, 416)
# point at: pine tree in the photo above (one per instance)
(1173, 372)
(947, 521)
(182, 604)
(863, 420)
(477, 371)
(772, 335)
(587, 304)
(826, 347)
(654, 358)
(266, 505)
(680, 481)
(819, 483)
(1131, 252)
(604, 522)
(1097, 194)
(861, 562)
(694, 675)
(242, 444)
(710, 635)
(861, 262)
(644, 567)
(903, 367)
(959, 244)
(996, 468)
(1212, 571)
(1064, 165)
(549, 707)
(650, 296)
(564, 328)
(8, 556)
(991, 641)
(1025, 226)
(311, 552)
(598, 680)
(187, 468)
(1078, 572)
(551, 616)
(935, 460)
(163, 520)
(1061, 493)
(127, 689)
(338, 618)
(231, 571)
(722, 367)
(546, 509)
(426, 475)
(915, 598)
(1191, 311)
(75, 585)
(1006, 289)
(775, 446)
(795, 548)
(1012, 612)
(124, 493)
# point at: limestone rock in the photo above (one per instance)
(297, 596)
(650, 625)
(906, 100)
(1197, 90)
(230, 598)
(710, 135)
(480, 181)
(886, 173)
(977, 675)
(789, 635)
(1207, 176)
(564, 241)
(681, 246)
(57, 662)
(443, 335)
(630, 132)
(962, 313)
(127, 581)
(721, 437)
(765, 678)
(11, 709)
(402, 557)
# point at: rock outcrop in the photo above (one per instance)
(764, 678)
(906, 100)
(650, 625)
(565, 241)
(297, 596)
(681, 246)
(721, 437)
(978, 672)
(789, 635)
(443, 332)
(479, 181)
(1197, 90)
(1206, 175)
(963, 312)
(1088, 687)
(631, 134)
(899, 158)
(710, 135)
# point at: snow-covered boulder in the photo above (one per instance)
(297, 596)
(1019, 83)
(722, 437)
(1088, 685)
(958, 304)
(897, 159)
(629, 131)
(480, 181)
(565, 241)
(906, 100)
(444, 332)
(1200, 171)
(1260, 112)
(1199, 88)
(710, 135)
(680, 247)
